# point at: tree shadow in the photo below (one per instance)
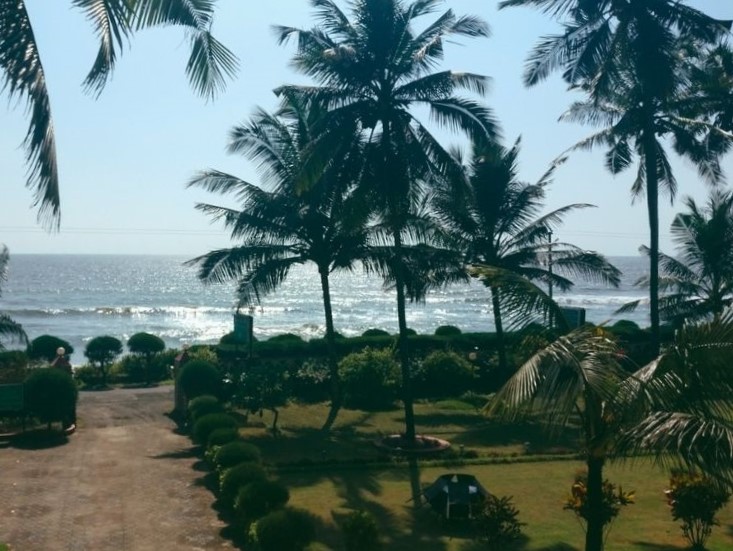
(39, 439)
(658, 547)
(183, 453)
(534, 435)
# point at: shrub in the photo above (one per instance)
(203, 405)
(148, 346)
(360, 532)
(50, 395)
(497, 524)
(236, 452)
(375, 333)
(198, 377)
(613, 500)
(310, 382)
(289, 337)
(447, 331)
(102, 351)
(259, 498)
(219, 437)
(207, 424)
(370, 379)
(44, 347)
(444, 374)
(232, 480)
(695, 499)
(288, 529)
(13, 366)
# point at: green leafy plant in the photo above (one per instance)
(146, 345)
(613, 498)
(444, 374)
(199, 377)
(239, 476)
(695, 499)
(259, 498)
(50, 395)
(288, 529)
(203, 405)
(370, 379)
(234, 453)
(447, 331)
(360, 532)
(207, 424)
(102, 351)
(219, 437)
(45, 346)
(497, 524)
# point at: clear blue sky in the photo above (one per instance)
(124, 158)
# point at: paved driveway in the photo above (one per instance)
(124, 481)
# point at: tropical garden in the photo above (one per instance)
(354, 176)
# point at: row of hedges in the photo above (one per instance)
(50, 394)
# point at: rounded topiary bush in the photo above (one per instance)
(360, 532)
(288, 529)
(444, 374)
(370, 379)
(447, 331)
(375, 333)
(232, 480)
(236, 452)
(50, 395)
(207, 424)
(13, 366)
(199, 377)
(203, 405)
(219, 437)
(45, 346)
(259, 498)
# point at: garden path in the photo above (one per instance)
(125, 481)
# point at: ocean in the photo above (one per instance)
(78, 297)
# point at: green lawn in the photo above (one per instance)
(538, 488)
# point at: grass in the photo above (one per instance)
(328, 489)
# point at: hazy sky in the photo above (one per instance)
(125, 157)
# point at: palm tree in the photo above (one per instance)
(373, 69)
(624, 55)
(9, 329)
(498, 226)
(676, 410)
(574, 379)
(699, 282)
(307, 217)
(22, 73)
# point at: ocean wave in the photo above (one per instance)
(119, 311)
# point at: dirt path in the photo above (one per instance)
(125, 481)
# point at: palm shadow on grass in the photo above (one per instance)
(536, 435)
(648, 546)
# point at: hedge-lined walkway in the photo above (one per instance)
(125, 481)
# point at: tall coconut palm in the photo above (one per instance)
(9, 329)
(697, 284)
(305, 217)
(498, 226)
(373, 66)
(624, 55)
(114, 21)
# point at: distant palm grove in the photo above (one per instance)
(353, 176)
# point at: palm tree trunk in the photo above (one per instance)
(652, 193)
(404, 352)
(336, 395)
(594, 528)
(500, 345)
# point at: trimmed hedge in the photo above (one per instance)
(204, 405)
(236, 452)
(259, 498)
(50, 395)
(207, 424)
(198, 377)
(236, 478)
(219, 437)
(370, 379)
(288, 529)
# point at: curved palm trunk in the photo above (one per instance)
(403, 350)
(652, 193)
(500, 345)
(336, 395)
